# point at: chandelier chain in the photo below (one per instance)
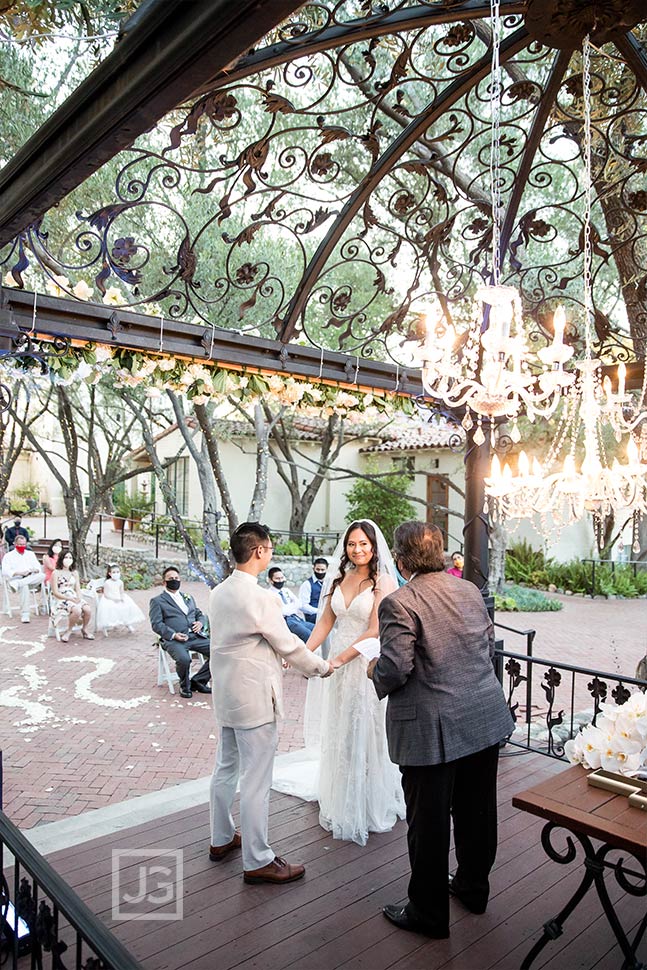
(588, 195)
(495, 142)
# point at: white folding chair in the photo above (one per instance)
(34, 592)
(164, 673)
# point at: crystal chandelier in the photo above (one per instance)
(591, 408)
(489, 370)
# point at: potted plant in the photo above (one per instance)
(131, 508)
(120, 513)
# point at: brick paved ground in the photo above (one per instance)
(83, 724)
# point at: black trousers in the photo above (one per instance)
(180, 650)
(465, 791)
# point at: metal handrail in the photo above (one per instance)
(612, 563)
(588, 671)
(509, 668)
(87, 926)
(530, 639)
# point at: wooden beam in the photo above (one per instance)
(89, 322)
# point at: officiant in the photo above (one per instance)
(445, 717)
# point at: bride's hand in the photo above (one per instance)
(336, 664)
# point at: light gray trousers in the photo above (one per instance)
(248, 755)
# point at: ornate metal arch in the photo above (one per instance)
(343, 251)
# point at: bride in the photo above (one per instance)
(345, 763)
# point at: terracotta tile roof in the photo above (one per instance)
(414, 437)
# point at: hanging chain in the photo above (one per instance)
(495, 143)
(588, 195)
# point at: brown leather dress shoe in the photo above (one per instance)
(277, 871)
(218, 852)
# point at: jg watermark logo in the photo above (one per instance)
(147, 885)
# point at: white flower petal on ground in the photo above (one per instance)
(102, 666)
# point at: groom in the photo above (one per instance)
(445, 718)
(249, 641)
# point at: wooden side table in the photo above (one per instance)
(568, 802)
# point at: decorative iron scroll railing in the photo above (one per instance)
(571, 697)
(43, 923)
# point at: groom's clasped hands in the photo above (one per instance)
(331, 668)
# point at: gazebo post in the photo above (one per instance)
(476, 528)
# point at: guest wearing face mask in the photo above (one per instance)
(51, 557)
(67, 600)
(17, 529)
(310, 591)
(22, 571)
(456, 568)
(290, 605)
(180, 624)
(115, 607)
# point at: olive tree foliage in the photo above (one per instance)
(37, 70)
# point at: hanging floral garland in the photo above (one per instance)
(202, 382)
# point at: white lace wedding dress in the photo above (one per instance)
(345, 764)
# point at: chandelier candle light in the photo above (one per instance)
(489, 370)
(591, 407)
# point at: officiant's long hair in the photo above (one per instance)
(369, 532)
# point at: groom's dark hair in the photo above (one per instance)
(246, 538)
(419, 546)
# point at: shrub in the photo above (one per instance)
(623, 583)
(289, 548)
(573, 576)
(504, 604)
(526, 600)
(523, 564)
(368, 499)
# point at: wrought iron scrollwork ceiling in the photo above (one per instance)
(333, 181)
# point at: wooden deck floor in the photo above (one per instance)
(332, 918)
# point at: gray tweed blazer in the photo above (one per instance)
(435, 665)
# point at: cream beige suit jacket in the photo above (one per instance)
(249, 641)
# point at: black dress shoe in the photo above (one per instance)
(399, 916)
(477, 908)
(200, 688)
(185, 693)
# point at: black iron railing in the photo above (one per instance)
(42, 915)
(571, 697)
(529, 637)
(162, 531)
(602, 566)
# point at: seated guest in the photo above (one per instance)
(51, 557)
(310, 591)
(456, 568)
(22, 571)
(67, 601)
(180, 624)
(116, 608)
(290, 605)
(17, 529)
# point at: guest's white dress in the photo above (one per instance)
(117, 608)
(345, 764)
